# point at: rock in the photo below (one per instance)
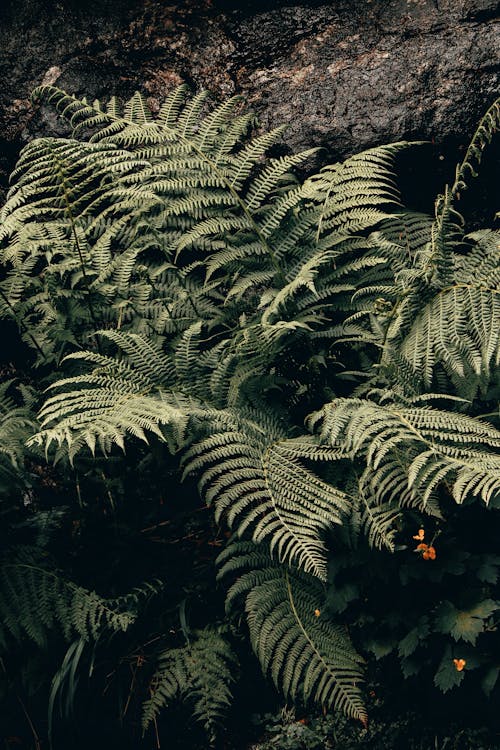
(344, 74)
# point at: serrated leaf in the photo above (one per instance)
(379, 648)
(447, 675)
(412, 639)
(410, 667)
(464, 625)
(338, 599)
(487, 570)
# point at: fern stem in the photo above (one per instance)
(130, 692)
(157, 734)
(108, 492)
(473, 287)
(306, 634)
(488, 125)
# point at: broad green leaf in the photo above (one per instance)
(464, 625)
(412, 639)
(447, 675)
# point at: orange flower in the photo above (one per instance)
(317, 612)
(428, 551)
(429, 554)
(420, 535)
(459, 664)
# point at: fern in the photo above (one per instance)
(113, 401)
(35, 600)
(258, 484)
(410, 450)
(16, 423)
(353, 195)
(198, 295)
(92, 215)
(305, 654)
(202, 673)
(488, 126)
(378, 520)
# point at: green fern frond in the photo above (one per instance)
(202, 673)
(250, 154)
(35, 600)
(459, 330)
(403, 238)
(481, 261)
(114, 400)
(258, 484)
(410, 451)
(306, 655)
(488, 126)
(17, 423)
(378, 521)
(355, 195)
(446, 236)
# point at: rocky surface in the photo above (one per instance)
(345, 74)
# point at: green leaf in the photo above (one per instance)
(380, 648)
(339, 598)
(447, 675)
(464, 625)
(487, 569)
(412, 639)
(410, 667)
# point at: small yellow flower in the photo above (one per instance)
(317, 612)
(420, 535)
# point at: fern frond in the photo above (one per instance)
(306, 655)
(459, 330)
(101, 408)
(258, 485)
(250, 154)
(488, 126)
(35, 600)
(17, 423)
(355, 195)
(377, 521)
(202, 673)
(403, 237)
(446, 235)
(410, 451)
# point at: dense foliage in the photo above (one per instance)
(320, 359)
